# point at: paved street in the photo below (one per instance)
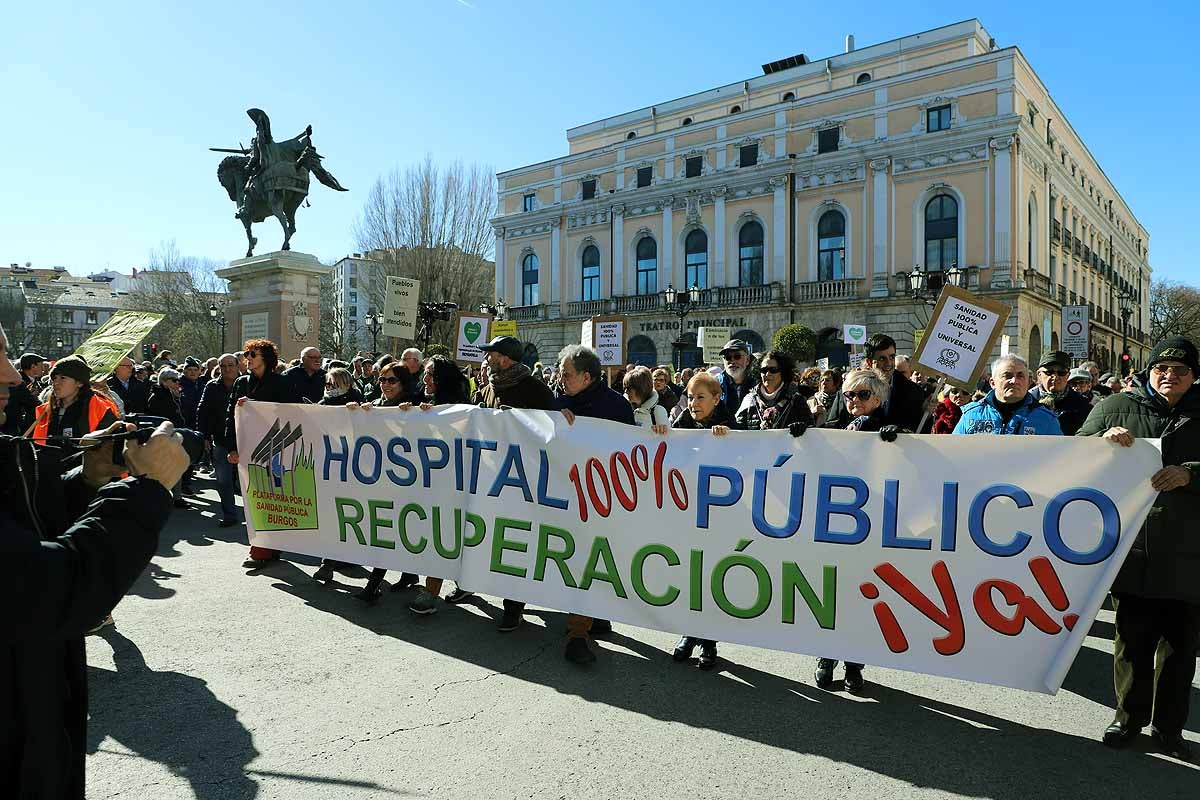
(216, 683)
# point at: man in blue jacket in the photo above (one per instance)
(1009, 408)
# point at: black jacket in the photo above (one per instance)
(272, 388)
(55, 590)
(789, 406)
(163, 403)
(351, 396)
(719, 416)
(599, 402)
(210, 414)
(905, 407)
(1071, 409)
(22, 407)
(305, 386)
(135, 398)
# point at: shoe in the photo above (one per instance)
(824, 673)
(1173, 745)
(684, 647)
(180, 502)
(255, 563)
(424, 603)
(188, 490)
(1118, 735)
(407, 581)
(370, 595)
(104, 623)
(854, 679)
(510, 621)
(227, 522)
(708, 654)
(600, 627)
(458, 595)
(578, 651)
(325, 573)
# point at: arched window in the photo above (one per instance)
(941, 233)
(695, 249)
(631, 135)
(750, 255)
(863, 78)
(641, 350)
(647, 266)
(751, 338)
(1035, 344)
(529, 280)
(591, 272)
(735, 110)
(686, 121)
(831, 246)
(788, 96)
(530, 356)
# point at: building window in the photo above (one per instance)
(827, 140)
(750, 255)
(354, 298)
(527, 202)
(748, 155)
(789, 96)
(529, 280)
(644, 176)
(68, 317)
(937, 119)
(631, 135)
(591, 272)
(647, 266)
(691, 166)
(864, 78)
(695, 249)
(831, 246)
(941, 233)
(735, 110)
(92, 318)
(686, 121)
(589, 189)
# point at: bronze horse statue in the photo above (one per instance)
(271, 178)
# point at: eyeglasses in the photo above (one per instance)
(770, 370)
(251, 354)
(737, 355)
(1178, 371)
(860, 395)
(1058, 372)
(389, 379)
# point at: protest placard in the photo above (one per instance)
(606, 335)
(960, 335)
(711, 339)
(400, 301)
(116, 338)
(470, 331)
(1075, 331)
(854, 334)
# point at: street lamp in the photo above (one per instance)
(918, 282)
(499, 310)
(373, 323)
(1125, 305)
(218, 318)
(58, 344)
(681, 304)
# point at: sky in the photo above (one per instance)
(107, 110)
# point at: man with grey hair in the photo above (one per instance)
(410, 376)
(1009, 408)
(307, 379)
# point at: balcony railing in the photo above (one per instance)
(1078, 248)
(526, 313)
(1038, 282)
(1056, 228)
(586, 308)
(1062, 295)
(635, 303)
(823, 291)
(748, 295)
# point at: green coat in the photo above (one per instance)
(1165, 559)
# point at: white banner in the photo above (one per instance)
(984, 558)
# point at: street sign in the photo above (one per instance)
(1075, 334)
(606, 335)
(400, 307)
(960, 335)
(471, 331)
(854, 334)
(918, 335)
(712, 339)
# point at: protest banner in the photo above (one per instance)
(711, 339)
(470, 331)
(948, 555)
(400, 301)
(116, 338)
(960, 335)
(606, 335)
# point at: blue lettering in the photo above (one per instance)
(512, 459)
(369, 444)
(826, 507)
(1109, 516)
(1020, 539)
(706, 497)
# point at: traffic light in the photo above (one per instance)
(145, 352)
(1126, 363)
(153, 350)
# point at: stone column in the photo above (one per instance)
(666, 265)
(1002, 202)
(718, 272)
(879, 228)
(779, 207)
(618, 252)
(275, 296)
(501, 283)
(555, 246)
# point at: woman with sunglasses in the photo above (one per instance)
(949, 409)
(776, 402)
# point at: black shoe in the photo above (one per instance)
(255, 563)
(824, 673)
(510, 621)
(180, 502)
(325, 573)
(370, 595)
(854, 679)
(1119, 734)
(1173, 745)
(227, 523)
(458, 595)
(708, 654)
(578, 651)
(600, 627)
(684, 647)
(407, 581)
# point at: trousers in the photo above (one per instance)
(1146, 628)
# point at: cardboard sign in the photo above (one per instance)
(115, 339)
(918, 335)
(1075, 333)
(856, 360)
(961, 333)
(504, 327)
(470, 332)
(606, 335)
(711, 340)
(822, 364)
(400, 301)
(854, 334)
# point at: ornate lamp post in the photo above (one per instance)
(681, 304)
(918, 282)
(218, 318)
(373, 323)
(1125, 305)
(499, 311)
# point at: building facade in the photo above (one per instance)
(809, 193)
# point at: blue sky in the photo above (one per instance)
(108, 109)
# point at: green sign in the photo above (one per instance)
(116, 339)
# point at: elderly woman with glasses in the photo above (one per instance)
(949, 409)
(776, 402)
(340, 388)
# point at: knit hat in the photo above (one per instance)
(73, 367)
(1176, 348)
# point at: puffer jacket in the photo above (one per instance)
(1164, 561)
(790, 406)
(1030, 418)
(651, 412)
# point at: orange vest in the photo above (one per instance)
(98, 406)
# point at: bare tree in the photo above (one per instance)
(1174, 311)
(332, 337)
(183, 288)
(432, 224)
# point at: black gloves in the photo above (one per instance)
(888, 432)
(797, 428)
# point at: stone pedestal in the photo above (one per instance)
(275, 296)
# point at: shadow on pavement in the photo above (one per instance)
(927, 743)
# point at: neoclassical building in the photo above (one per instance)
(809, 194)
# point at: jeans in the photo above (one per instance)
(227, 482)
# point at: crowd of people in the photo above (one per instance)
(1156, 595)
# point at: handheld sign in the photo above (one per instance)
(854, 334)
(400, 307)
(606, 335)
(961, 333)
(470, 331)
(712, 339)
(116, 338)
(503, 327)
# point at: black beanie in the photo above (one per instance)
(75, 367)
(1176, 348)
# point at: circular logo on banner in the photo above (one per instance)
(1074, 328)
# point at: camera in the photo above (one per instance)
(193, 442)
(436, 311)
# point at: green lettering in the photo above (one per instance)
(342, 503)
(638, 578)
(601, 550)
(823, 611)
(559, 557)
(500, 544)
(762, 595)
(419, 546)
(377, 522)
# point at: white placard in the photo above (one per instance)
(254, 326)
(711, 339)
(854, 334)
(400, 307)
(960, 335)
(608, 337)
(822, 364)
(856, 360)
(471, 331)
(1075, 333)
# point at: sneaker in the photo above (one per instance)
(824, 672)
(854, 678)
(1172, 745)
(600, 627)
(424, 603)
(510, 621)
(578, 651)
(325, 573)
(407, 581)
(684, 647)
(1119, 734)
(458, 595)
(708, 654)
(104, 623)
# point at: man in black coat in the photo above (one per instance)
(307, 379)
(905, 403)
(23, 396)
(1054, 393)
(134, 394)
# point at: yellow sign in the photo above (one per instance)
(507, 327)
(918, 335)
(116, 339)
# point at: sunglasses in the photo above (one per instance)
(389, 380)
(251, 354)
(1180, 371)
(1058, 372)
(860, 395)
(770, 370)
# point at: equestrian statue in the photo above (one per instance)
(271, 178)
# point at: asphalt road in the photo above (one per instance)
(221, 683)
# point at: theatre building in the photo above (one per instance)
(812, 193)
